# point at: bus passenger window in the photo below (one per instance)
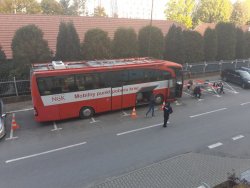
(43, 86)
(80, 82)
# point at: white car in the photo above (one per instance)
(2, 120)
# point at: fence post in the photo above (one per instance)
(204, 69)
(220, 63)
(15, 86)
(235, 66)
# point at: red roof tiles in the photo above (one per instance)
(9, 23)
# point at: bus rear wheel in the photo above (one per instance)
(86, 112)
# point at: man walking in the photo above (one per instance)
(151, 105)
(167, 109)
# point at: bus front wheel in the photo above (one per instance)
(159, 99)
(86, 112)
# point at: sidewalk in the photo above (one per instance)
(185, 171)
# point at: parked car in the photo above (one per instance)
(245, 69)
(2, 120)
(240, 77)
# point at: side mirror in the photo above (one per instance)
(4, 115)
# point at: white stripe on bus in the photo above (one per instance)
(62, 98)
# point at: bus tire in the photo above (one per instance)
(86, 112)
(158, 99)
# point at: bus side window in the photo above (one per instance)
(80, 82)
(149, 75)
(136, 76)
(166, 75)
(158, 75)
(91, 82)
(43, 87)
(56, 87)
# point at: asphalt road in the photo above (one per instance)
(82, 154)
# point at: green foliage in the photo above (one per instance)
(247, 42)
(226, 37)
(67, 8)
(96, 45)
(68, 46)
(100, 12)
(51, 7)
(210, 45)
(6, 70)
(213, 11)
(193, 46)
(180, 11)
(240, 13)
(174, 49)
(151, 42)
(240, 44)
(125, 43)
(2, 55)
(20, 6)
(28, 47)
(79, 7)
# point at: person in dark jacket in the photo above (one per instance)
(167, 109)
(151, 105)
(197, 92)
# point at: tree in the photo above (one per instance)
(96, 45)
(100, 12)
(125, 43)
(240, 14)
(67, 8)
(28, 47)
(210, 45)
(213, 11)
(180, 11)
(20, 6)
(68, 46)
(174, 49)
(51, 7)
(2, 55)
(193, 46)
(150, 40)
(226, 40)
(247, 42)
(240, 44)
(79, 7)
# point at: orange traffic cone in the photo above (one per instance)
(14, 125)
(163, 104)
(133, 114)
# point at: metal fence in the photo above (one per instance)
(214, 66)
(14, 87)
(22, 87)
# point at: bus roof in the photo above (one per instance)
(63, 67)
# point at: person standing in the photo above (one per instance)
(167, 109)
(151, 105)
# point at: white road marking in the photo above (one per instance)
(46, 152)
(215, 145)
(56, 128)
(187, 94)
(238, 137)
(242, 104)
(23, 110)
(207, 112)
(135, 130)
(94, 121)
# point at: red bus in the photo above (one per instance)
(62, 90)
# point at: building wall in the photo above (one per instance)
(9, 23)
